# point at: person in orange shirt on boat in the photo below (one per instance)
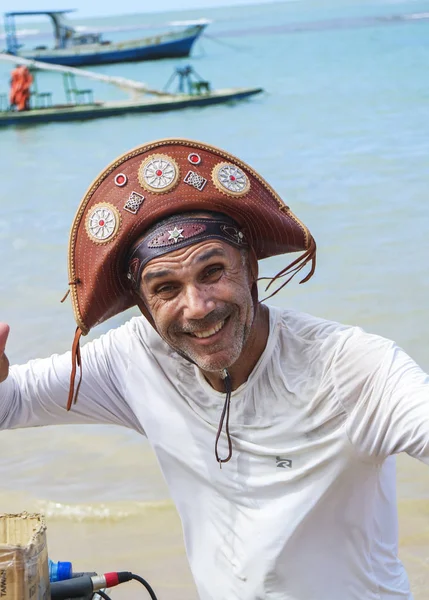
(20, 86)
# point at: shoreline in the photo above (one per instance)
(146, 537)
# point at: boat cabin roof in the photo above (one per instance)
(39, 12)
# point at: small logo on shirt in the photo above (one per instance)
(283, 463)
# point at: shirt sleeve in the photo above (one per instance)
(36, 393)
(386, 397)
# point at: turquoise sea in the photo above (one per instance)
(341, 132)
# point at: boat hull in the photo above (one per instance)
(101, 110)
(168, 45)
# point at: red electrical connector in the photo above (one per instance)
(86, 585)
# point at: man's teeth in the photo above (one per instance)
(209, 332)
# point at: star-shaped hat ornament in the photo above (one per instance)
(175, 234)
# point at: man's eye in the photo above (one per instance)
(213, 272)
(165, 289)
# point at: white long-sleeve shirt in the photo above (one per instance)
(306, 508)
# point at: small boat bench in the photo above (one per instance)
(74, 94)
(41, 100)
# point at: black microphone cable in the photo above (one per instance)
(102, 595)
(86, 585)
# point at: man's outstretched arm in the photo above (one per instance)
(35, 393)
(4, 363)
(387, 397)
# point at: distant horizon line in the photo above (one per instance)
(161, 11)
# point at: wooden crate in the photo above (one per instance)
(24, 571)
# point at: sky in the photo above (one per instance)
(90, 8)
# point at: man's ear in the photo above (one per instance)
(253, 266)
(143, 308)
(253, 272)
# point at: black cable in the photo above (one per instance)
(102, 594)
(146, 585)
(89, 586)
(225, 413)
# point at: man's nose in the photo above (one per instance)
(198, 302)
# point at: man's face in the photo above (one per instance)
(200, 300)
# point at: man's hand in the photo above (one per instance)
(4, 363)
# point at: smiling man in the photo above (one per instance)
(200, 296)
(305, 413)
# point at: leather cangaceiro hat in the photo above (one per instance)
(150, 183)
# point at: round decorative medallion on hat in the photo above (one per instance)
(121, 179)
(158, 173)
(102, 223)
(230, 179)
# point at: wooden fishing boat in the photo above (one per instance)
(69, 112)
(192, 91)
(72, 48)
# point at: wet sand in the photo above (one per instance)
(150, 546)
(413, 508)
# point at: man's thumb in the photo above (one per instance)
(4, 332)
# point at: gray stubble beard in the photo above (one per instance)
(238, 343)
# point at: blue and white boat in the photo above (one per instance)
(73, 48)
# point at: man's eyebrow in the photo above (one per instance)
(155, 274)
(211, 254)
(214, 252)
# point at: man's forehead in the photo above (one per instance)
(179, 236)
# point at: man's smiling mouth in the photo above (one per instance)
(209, 332)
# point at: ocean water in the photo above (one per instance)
(341, 132)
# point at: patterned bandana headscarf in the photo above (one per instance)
(177, 232)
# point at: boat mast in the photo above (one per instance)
(62, 31)
(59, 39)
(10, 30)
